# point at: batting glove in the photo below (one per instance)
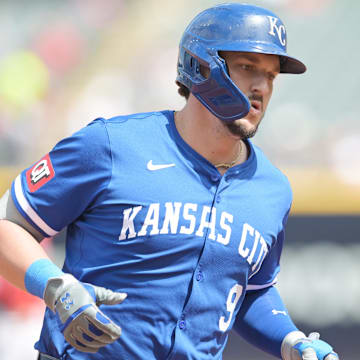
(296, 346)
(85, 326)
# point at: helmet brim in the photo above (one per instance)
(290, 65)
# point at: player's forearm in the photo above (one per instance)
(263, 320)
(18, 250)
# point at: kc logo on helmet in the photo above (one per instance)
(280, 30)
(40, 174)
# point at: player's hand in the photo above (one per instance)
(296, 346)
(85, 326)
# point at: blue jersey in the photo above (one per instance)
(149, 216)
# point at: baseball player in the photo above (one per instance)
(175, 220)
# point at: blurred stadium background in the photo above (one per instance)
(64, 63)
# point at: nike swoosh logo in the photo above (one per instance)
(153, 167)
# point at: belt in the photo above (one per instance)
(46, 357)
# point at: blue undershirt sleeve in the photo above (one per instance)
(263, 320)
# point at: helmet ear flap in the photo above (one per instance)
(193, 67)
(220, 95)
(216, 92)
(189, 69)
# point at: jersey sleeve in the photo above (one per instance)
(267, 275)
(57, 189)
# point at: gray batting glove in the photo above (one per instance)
(296, 346)
(85, 326)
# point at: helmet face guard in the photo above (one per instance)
(229, 27)
(217, 93)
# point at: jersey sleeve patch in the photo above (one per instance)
(41, 173)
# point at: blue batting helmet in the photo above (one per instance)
(229, 27)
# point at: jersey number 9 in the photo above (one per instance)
(232, 300)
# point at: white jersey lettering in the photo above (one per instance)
(247, 229)
(189, 217)
(255, 244)
(225, 217)
(262, 254)
(151, 219)
(207, 224)
(128, 222)
(171, 218)
(252, 247)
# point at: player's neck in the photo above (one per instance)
(207, 135)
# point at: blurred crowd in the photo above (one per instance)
(65, 62)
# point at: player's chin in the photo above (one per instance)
(243, 128)
(249, 122)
